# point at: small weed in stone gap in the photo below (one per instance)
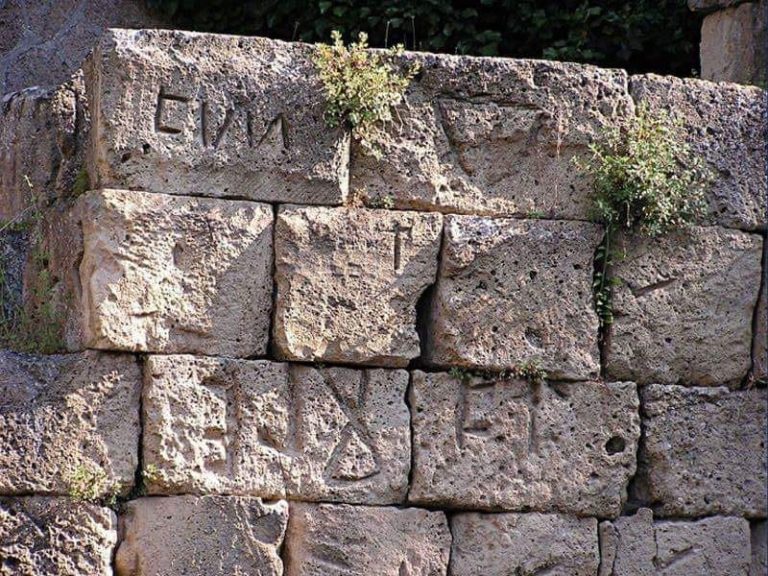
(89, 483)
(361, 87)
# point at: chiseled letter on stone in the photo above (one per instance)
(212, 115)
(494, 136)
(507, 544)
(508, 445)
(164, 273)
(271, 429)
(348, 281)
(703, 451)
(42, 536)
(638, 546)
(67, 419)
(202, 536)
(512, 291)
(683, 307)
(341, 540)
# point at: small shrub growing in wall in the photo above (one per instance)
(361, 87)
(647, 180)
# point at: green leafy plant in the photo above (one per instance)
(361, 87)
(89, 483)
(529, 370)
(647, 181)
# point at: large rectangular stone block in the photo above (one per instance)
(343, 540)
(348, 283)
(516, 291)
(683, 307)
(725, 125)
(271, 430)
(42, 141)
(202, 536)
(161, 273)
(760, 337)
(505, 544)
(482, 443)
(638, 546)
(703, 451)
(212, 115)
(42, 535)
(66, 420)
(494, 136)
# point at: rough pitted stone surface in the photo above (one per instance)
(348, 281)
(512, 291)
(14, 246)
(213, 115)
(638, 546)
(342, 540)
(208, 535)
(703, 451)
(759, 564)
(171, 274)
(684, 307)
(42, 139)
(760, 342)
(40, 535)
(60, 414)
(270, 429)
(725, 125)
(505, 544)
(734, 44)
(41, 43)
(510, 445)
(494, 136)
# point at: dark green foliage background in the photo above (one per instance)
(643, 36)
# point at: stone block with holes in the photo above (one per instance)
(45, 535)
(160, 273)
(493, 136)
(683, 307)
(502, 444)
(186, 535)
(638, 545)
(342, 539)
(349, 282)
(703, 451)
(216, 425)
(212, 115)
(511, 292)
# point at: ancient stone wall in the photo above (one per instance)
(285, 356)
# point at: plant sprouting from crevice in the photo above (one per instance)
(361, 87)
(647, 181)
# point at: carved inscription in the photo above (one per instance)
(398, 247)
(174, 112)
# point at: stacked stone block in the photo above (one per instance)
(272, 379)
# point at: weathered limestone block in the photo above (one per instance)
(725, 125)
(343, 540)
(759, 540)
(40, 535)
(504, 544)
(703, 451)
(212, 115)
(510, 445)
(164, 273)
(494, 136)
(760, 341)
(638, 546)
(42, 140)
(683, 307)
(348, 282)
(734, 44)
(515, 291)
(64, 417)
(271, 430)
(208, 535)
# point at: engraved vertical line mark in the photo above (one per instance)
(204, 122)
